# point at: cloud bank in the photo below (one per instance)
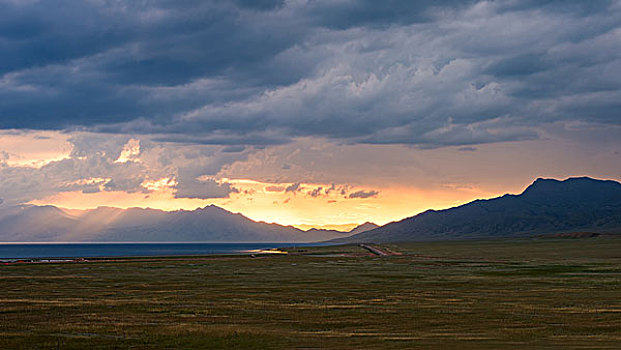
(107, 163)
(239, 73)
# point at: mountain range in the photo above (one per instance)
(29, 223)
(547, 206)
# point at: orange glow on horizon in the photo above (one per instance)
(308, 206)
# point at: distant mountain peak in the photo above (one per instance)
(367, 226)
(578, 180)
(211, 207)
(571, 190)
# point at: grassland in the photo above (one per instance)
(456, 295)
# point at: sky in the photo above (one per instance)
(304, 112)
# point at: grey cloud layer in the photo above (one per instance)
(92, 167)
(263, 72)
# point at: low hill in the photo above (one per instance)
(358, 229)
(367, 226)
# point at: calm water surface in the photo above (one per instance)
(79, 250)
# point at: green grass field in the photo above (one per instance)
(450, 295)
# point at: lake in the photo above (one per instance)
(85, 250)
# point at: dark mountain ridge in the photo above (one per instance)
(546, 206)
(30, 223)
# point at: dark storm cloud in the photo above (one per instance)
(316, 192)
(356, 13)
(263, 72)
(363, 194)
(293, 188)
(206, 189)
